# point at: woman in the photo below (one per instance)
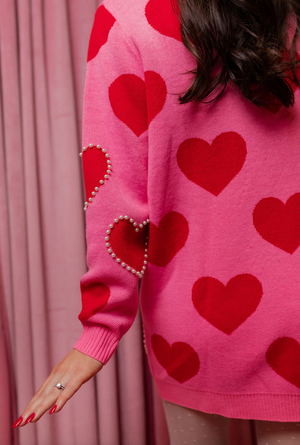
(191, 164)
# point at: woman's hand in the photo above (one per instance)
(72, 371)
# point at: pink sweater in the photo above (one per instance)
(203, 203)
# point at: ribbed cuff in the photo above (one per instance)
(97, 342)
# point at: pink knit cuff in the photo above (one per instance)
(97, 342)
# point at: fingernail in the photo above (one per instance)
(18, 422)
(30, 418)
(53, 409)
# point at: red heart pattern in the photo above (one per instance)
(127, 242)
(130, 96)
(94, 298)
(163, 18)
(167, 239)
(283, 355)
(227, 307)
(96, 168)
(136, 103)
(103, 23)
(156, 91)
(212, 167)
(279, 223)
(180, 360)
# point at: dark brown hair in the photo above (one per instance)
(242, 41)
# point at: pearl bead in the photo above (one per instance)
(98, 146)
(107, 244)
(133, 271)
(97, 189)
(93, 193)
(113, 255)
(146, 250)
(121, 217)
(141, 226)
(106, 155)
(123, 265)
(142, 272)
(101, 182)
(118, 260)
(126, 217)
(106, 238)
(103, 150)
(135, 224)
(128, 268)
(144, 267)
(91, 145)
(90, 200)
(146, 256)
(145, 262)
(145, 223)
(86, 203)
(80, 154)
(108, 161)
(116, 221)
(111, 226)
(131, 220)
(108, 232)
(84, 149)
(137, 230)
(106, 176)
(109, 172)
(148, 220)
(109, 250)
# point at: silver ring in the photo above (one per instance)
(60, 386)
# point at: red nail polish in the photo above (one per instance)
(53, 409)
(18, 422)
(30, 418)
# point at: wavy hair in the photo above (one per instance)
(242, 41)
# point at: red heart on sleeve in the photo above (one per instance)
(96, 168)
(127, 243)
(135, 102)
(162, 18)
(94, 297)
(103, 23)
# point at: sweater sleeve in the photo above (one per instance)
(115, 163)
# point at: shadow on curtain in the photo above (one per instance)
(43, 47)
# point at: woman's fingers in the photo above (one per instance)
(44, 399)
(72, 387)
(72, 371)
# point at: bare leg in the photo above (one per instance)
(277, 433)
(189, 427)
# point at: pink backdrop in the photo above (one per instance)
(43, 47)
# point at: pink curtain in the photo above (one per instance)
(43, 47)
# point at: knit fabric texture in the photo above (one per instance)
(201, 202)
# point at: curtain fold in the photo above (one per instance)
(43, 48)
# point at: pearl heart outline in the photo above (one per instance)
(138, 273)
(96, 189)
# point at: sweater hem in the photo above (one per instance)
(97, 342)
(259, 406)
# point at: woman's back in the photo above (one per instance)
(220, 185)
